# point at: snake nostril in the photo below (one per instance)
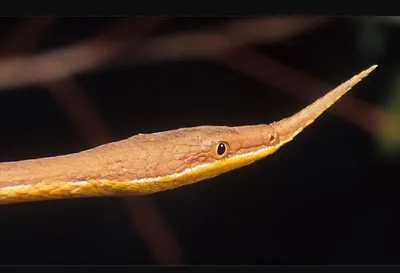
(272, 138)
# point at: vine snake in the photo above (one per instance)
(149, 163)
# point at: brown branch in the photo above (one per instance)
(231, 35)
(84, 56)
(164, 245)
(96, 52)
(144, 214)
(81, 111)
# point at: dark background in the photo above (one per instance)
(329, 197)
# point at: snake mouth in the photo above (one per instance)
(218, 167)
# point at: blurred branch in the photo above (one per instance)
(81, 111)
(164, 244)
(226, 37)
(97, 52)
(87, 55)
(144, 214)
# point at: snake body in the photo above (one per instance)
(149, 163)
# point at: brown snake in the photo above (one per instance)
(149, 163)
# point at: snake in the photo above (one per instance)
(154, 162)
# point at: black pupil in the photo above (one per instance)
(221, 149)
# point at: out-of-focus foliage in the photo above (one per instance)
(389, 135)
(372, 43)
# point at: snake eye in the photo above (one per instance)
(221, 149)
